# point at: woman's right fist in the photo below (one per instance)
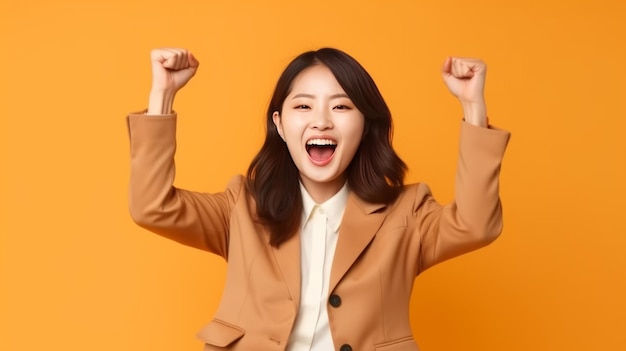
(172, 68)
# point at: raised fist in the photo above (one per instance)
(465, 78)
(172, 68)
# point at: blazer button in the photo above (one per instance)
(335, 301)
(345, 347)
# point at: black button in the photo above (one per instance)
(335, 301)
(345, 347)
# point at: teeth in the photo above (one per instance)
(321, 142)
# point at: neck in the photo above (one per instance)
(320, 192)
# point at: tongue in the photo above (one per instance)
(320, 153)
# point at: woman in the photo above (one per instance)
(323, 239)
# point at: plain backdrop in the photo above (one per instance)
(77, 274)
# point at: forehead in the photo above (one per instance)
(316, 79)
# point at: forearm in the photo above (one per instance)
(152, 148)
(477, 198)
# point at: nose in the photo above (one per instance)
(322, 120)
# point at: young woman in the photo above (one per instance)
(322, 238)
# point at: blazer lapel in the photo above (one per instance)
(359, 225)
(288, 258)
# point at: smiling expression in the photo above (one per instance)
(322, 129)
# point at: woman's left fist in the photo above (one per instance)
(465, 78)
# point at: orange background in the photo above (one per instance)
(77, 274)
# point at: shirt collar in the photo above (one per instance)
(333, 207)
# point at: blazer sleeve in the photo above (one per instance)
(195, 219)
(474, 218)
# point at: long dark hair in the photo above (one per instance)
(375, 174)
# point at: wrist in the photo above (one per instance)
(475, 113)
(160, 102)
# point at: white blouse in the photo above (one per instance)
(318, 239)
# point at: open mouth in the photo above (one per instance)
(321, 150)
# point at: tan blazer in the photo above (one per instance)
(380, 249)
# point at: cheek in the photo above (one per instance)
(292, 133)
(353, 135)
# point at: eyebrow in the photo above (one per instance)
(311, 96)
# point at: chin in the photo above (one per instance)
(326, 177)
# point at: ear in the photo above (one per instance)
(279, 126)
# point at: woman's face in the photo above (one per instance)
(322, 129)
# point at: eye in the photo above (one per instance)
(302, 107)
(341, 107)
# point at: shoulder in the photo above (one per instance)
(412, 197)
(240, 196)
(236, 183)
(416, 192)
(236, 188)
